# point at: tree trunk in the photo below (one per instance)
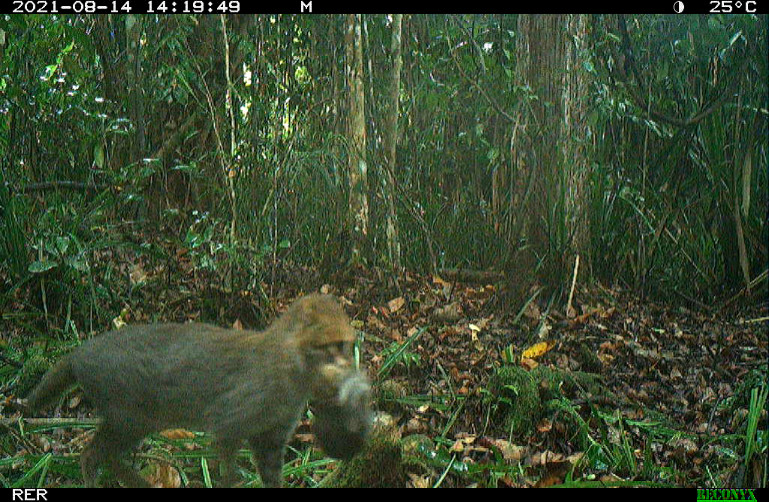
(356, 132)
(390, 143)
(555, 166)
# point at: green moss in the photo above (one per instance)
(415, 447)
(519, 398)
(380, 465)
(514, 398)
(555, 383)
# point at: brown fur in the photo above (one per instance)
(240, 385)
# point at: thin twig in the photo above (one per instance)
(50, 422)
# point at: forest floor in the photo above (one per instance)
(629, 390)
(621, 392)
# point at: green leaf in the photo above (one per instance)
(38, 267)
(98, 156)
(79, 265)
(49, 71)
(394, 357)
(62, 244)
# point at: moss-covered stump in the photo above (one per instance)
(514, 398)
(519, 398)
(380, 465)
(554, 383)
(415, 447)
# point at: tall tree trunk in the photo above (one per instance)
(356, 133)
(548, 48)
(390, 143)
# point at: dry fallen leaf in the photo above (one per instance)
(395, 304)
(449, 313)
(538, 349)
(509, 451)
(544, 425)
(532, 312)
(177, 434)
(72, 403)
(545, 457)
(137, 274)
(118, 322)
(418, 481)
(440, 282)
(163, 476)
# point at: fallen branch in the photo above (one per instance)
(50, 422)
(570, 312)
